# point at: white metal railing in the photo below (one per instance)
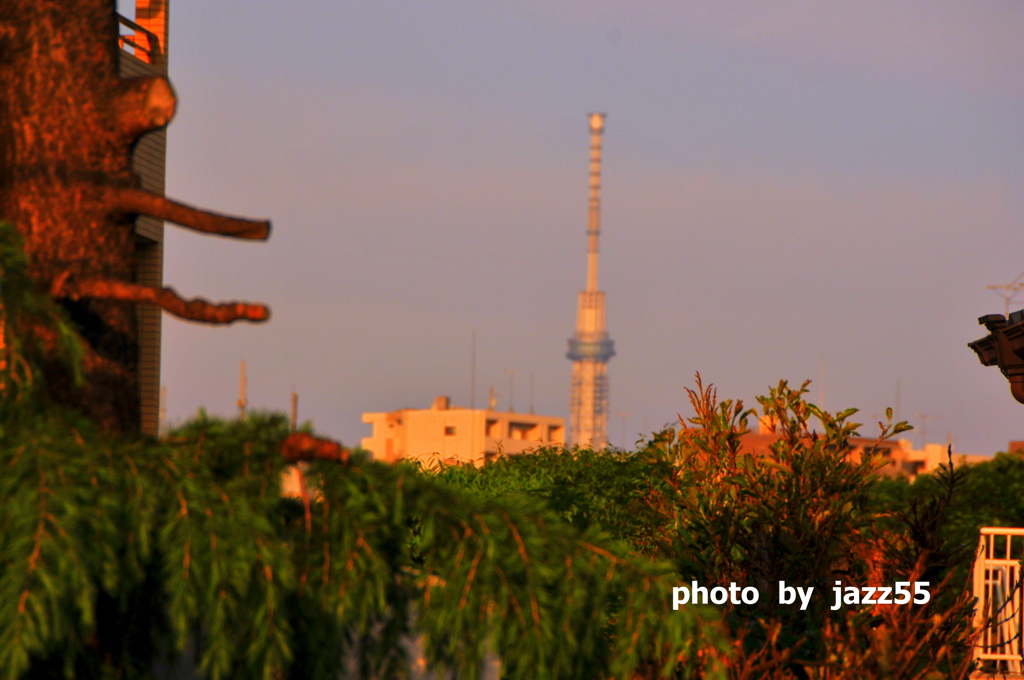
(997, 584)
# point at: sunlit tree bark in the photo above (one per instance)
(67, 127)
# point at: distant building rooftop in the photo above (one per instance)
(902, 460)
(451, 434)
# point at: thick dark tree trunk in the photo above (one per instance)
(67, 127)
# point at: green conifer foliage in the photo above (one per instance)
(22, 307)
(116, 552)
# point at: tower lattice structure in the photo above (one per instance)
(590, 348)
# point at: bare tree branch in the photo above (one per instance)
(300, 446)
(193, 310)
(137, 201)
(144, 104)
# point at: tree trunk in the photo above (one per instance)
(67, 127)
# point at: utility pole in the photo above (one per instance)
(295, 409)
(242, 401)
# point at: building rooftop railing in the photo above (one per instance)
(151, 52)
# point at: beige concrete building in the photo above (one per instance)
(458, 435)
(143, 44)
(911, 462)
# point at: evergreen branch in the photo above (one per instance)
(529, 575)
(227, 554)
(29, 318)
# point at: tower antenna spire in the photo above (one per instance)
(590, 348)
(594, 202)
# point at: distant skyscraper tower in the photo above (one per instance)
(591, 348)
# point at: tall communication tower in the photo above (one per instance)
(591, 348)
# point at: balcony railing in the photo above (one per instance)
(151, 52)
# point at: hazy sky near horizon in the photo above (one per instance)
(792, 190)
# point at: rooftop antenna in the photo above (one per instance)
(242, 401)
(1008, 291)
(531, 392)
(924, 418)
(511, 389)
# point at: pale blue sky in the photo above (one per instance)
(792, 190)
